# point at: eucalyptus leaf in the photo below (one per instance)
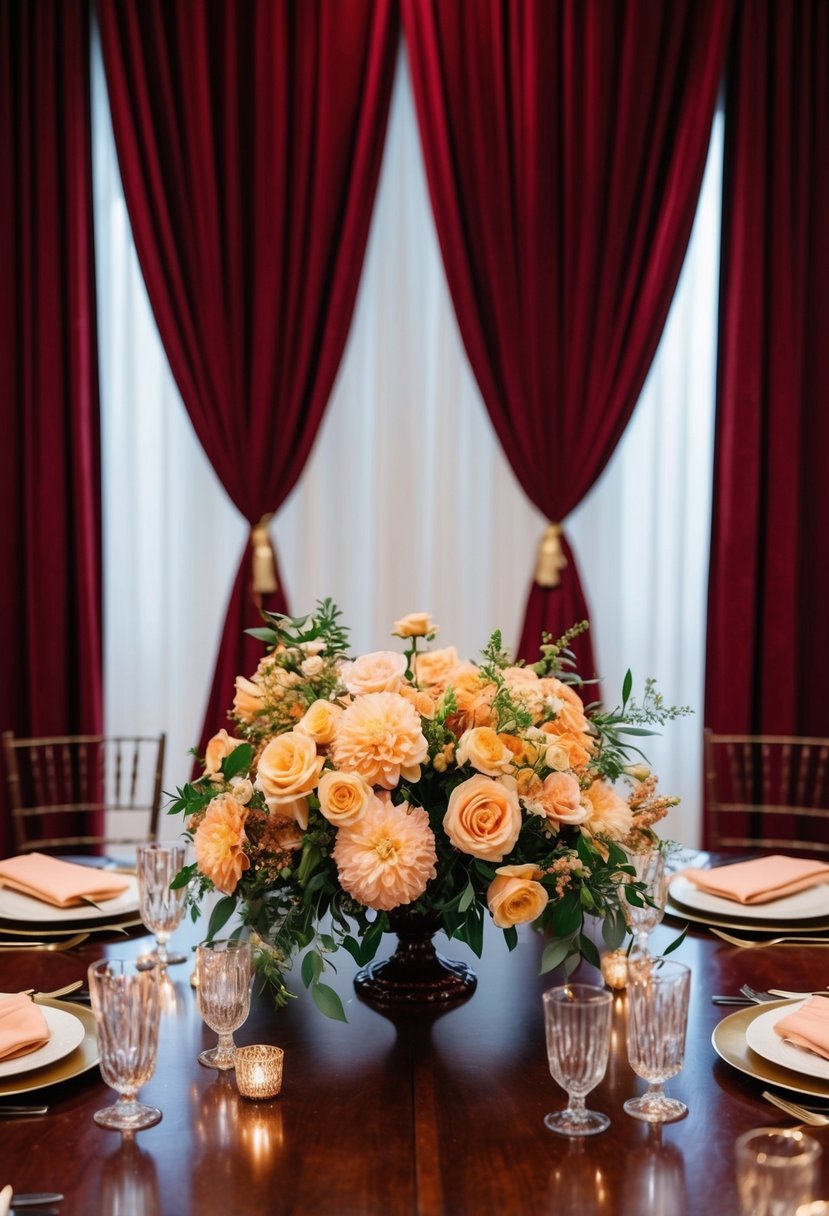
(328, 1002)
(555, 953)
(311, 968)
(220, 915)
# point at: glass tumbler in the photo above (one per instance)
(577, 1021)
(126, 1007)
(223, 970)
(658, 994)
(777, 1171)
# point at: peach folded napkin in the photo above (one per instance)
(808, 1026)
(5, 1200)
(59, 882)
(22, 1026)
(760, 880)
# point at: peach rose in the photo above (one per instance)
(607, 812)
(248, 701)
(483, 817)
(557, 757)
(343, 797)
(422, 702)
(434, 668)
(557, 799)
(319, 721)
(577, 746)
(288, 769)
(514, 898)
(380, 671)
(219, 843)
(220, 745)
(415, 625)
(485, 750)
(474, 696)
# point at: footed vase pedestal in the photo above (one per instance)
(416, 976)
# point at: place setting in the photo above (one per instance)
(46, 898)
(43, 1040)
(783, 1043)
(764, 895)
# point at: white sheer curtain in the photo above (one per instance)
(407, 502)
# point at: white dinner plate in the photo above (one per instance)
(15, 906)
(803, 905)
(84, 1057)
(763, 1038)
(66, 1032)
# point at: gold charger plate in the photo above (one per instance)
(12, 929)
(729, 1042)
(84, 1057)
(799, 927)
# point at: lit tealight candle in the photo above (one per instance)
(259, 1070)
(615, 969)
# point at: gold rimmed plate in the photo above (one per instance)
(47, 932)
(84, 1057)
(801, 927)
(730, 1043)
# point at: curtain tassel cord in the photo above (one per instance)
(264, 566)
(550, 559)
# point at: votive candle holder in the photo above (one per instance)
(614, 965)
(259, 1070)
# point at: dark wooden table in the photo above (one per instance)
(377, 1118)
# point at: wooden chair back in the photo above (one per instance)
(767, 791)
(83, 792)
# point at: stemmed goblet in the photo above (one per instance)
(223, 972)
(126, 1006)
(577, 1021)
(162, 906)
(658, 993)
(642, 917)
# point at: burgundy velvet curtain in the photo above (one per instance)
(565, 142)
(250, 137)
(50, 539)
(768, 642)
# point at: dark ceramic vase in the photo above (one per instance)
(416, 976)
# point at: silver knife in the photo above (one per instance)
(22, 1110)
(37, 1199)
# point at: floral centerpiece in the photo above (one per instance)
(353, 788)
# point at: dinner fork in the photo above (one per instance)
(797, 1112)
(775, 994)
(65, 943)
(749, 944)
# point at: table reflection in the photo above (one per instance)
(129, 1181)
(577, 1185)
(235, 1139)
(654, 1181)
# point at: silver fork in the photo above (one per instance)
(811, 1117)
(775, 994)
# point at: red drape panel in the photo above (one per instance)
(768, 643)
(50, 539)
(565, 142)
(249, 137)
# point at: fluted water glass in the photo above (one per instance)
(223, 973)
(126, 1006)
(658, 992)
(161, 905)
(644, 916)
(577, 1019)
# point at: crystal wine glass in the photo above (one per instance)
(658, 993)
(162, 906)
(577, 1020)
(649, 868)
(223, 971)
(126, 1007)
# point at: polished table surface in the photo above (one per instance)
(400, 1116)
